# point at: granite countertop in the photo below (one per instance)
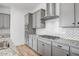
(11, 50)
(69, 42)
(8, 52)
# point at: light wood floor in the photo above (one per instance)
(24, 50)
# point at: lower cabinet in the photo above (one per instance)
(27, 41)
(34, 43)
(44, 48)
(26, 38)
(60, 49)
(74, 51)
(30, 41)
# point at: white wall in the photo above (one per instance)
(17, 26)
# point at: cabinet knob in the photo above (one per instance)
(59, 45)
(43, 44)
(78, 23)
(67, 54)
(73, 23)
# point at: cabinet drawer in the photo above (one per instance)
(74, 51)
(30, 42)
(60, 45)
(35, 44)
(44, 49)
(45, 40)
(27, 42)
(56, 51)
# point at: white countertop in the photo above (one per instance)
(8, 52)
(68, 42)
(11, 51)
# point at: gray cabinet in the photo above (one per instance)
(35, 43)
(67, 14)
(37, 22)
(4, 21)
(28, 23)
(60, 49)
(74, 51)
(26, 19)
(34, 20)
(44, 48)
(30, 41)
(27, 42)
(26, 37)
(77, 14)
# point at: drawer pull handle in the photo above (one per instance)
(59, 45)
(67, 54)
(73, 23)
(78, 22)
(43, 44)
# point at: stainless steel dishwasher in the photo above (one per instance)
(59, 49)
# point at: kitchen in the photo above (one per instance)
(48, 29)
(60, 25)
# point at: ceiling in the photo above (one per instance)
(24, 6)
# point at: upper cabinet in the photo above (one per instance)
(77, 14)
(37, 22)
(4, 21)
(40, 16)
(34, 20)
(26, 19)
(69, 15)
(28, 23)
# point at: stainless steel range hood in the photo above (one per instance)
(50, 11)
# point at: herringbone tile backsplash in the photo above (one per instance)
(52, 28)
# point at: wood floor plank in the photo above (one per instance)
(24, 50)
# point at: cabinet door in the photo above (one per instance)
(34, 20)
(26, 19)
(27, 41)
(67, 14)
(44, 48)
(56, 51)
(38, 21)
(77, 14)
(30, 41)
(47, 50)
(40, 47)
(6, 18)
(35, 44)
(1, 21)
(74, 51)
(39, 15)
(59, 49)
